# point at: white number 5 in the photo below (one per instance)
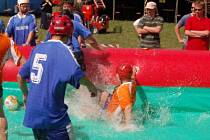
(36, 77)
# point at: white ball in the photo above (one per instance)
(11, 103)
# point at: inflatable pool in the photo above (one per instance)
(173, 83)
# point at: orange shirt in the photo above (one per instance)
(7, 45)
(123, 96)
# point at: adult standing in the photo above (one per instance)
(149, 27)
(22, 26)
(197, 29)
(182, 23)
(69, 5)
(7, 50)
(46, 14)
(50, 67)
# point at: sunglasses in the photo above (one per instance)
(198, 9)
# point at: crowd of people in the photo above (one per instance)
(196, 27)
(59, 61)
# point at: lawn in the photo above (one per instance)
(128, 37)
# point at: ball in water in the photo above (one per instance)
(11, 103)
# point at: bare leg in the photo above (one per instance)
(3, 123)
(103, 98)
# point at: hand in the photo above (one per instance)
(26, 44)
(24, 99)
(181, 41)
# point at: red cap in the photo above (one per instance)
(61, 25)
(124, 71)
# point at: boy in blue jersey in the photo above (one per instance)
(50, 67)
(21, 27)
(79, 30)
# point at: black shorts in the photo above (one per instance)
(79, 55)
(1, 91)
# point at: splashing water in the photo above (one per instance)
(84, 107)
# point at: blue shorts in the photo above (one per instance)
(53, 134)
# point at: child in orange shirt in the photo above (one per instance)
(119, 104)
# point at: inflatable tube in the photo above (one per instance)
(158, 67)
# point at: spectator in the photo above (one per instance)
(50, 67)
(149, 27)
(46, 13)
(182, 23)
(69, 5)
(22, 26)
(7, 50)
(197, 29)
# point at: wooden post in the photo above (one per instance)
(176, 10)
(206, 10)
(113, 7)
(145, 2)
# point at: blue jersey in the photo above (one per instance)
(79, 29)
(50, 67)
(77, 17)
(19, 28)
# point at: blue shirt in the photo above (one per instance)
(50, 67)
(77, 17)
(79, 29)
(183, 20)
(19, 28)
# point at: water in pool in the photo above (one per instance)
(174, 113)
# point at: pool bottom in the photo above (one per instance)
(175, 113)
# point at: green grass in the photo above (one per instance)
(128, 37)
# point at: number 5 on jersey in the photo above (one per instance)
(37, 66)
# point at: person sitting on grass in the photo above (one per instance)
(118, 106)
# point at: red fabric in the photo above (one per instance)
(57, 2)
(158, 67)
(193, 23)
(87, 10)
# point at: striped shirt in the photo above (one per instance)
(150, 40)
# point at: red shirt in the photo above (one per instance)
(197, 24)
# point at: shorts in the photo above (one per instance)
(1, 91)
(79, 55)
(53, 134)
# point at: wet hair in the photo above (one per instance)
(68, 13)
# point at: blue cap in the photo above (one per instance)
(2, 26)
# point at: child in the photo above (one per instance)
(119, 105)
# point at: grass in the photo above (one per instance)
(128, 37)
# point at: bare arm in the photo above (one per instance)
(193, 33)
(91, 87)
(93, 43)
(178, 34)
(156, 29)
(29, 39)
(128, 114)
(23, 87)
(141, 30)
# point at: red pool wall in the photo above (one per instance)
(158, 67)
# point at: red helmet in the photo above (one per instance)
(124, 71)
(61, 25)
